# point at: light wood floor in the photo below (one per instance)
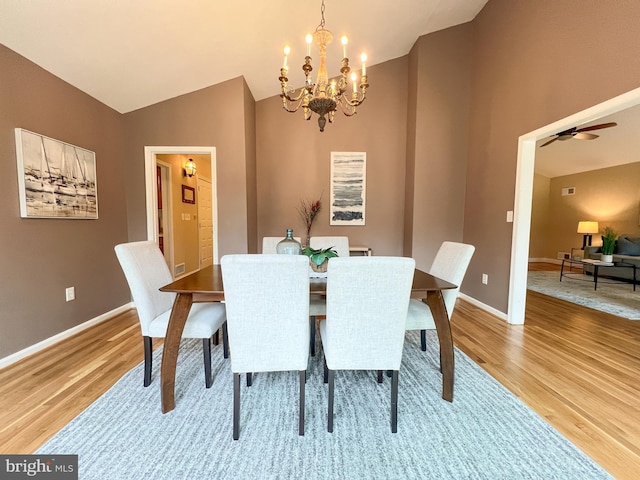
(577, 368)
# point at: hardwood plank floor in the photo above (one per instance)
(576, 367)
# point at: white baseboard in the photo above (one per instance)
(545, 260)
(14, 357)
(483, 306)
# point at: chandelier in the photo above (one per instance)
(324, 97)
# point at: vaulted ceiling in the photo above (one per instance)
(133, 53)
(614, 146)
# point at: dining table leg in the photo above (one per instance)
(178, 318)
(435, 301)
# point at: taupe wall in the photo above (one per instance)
(521, 78)
(610, 196)
(41, 257)
(250, 155)
(530, 68)
(213, 116)
(540, 234)
(293, 162)
(439, 139)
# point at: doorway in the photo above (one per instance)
(165, 228)
(184, 213)
(524, 194)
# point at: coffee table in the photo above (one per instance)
(597, 266)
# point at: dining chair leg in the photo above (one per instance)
(148, 359)
(379, 376)
(249, 379)
(330, 412)
(236, 406)
(312, 340)
(394, 402)
(206, 350)
(325, 377)
(423, 340)
(303, 380)
(225, 340)
(216, 337)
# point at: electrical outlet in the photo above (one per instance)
(485, 278)
(70, 293)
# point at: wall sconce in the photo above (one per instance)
(587, 228)
(190, 168)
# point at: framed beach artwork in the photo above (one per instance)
(348, 188)
(55, 179)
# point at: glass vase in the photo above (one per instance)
(289, 245)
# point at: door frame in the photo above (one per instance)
(167, 212)
(150, 161)
(524, 194)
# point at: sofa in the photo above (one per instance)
(627, 250)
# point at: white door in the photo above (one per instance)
(205, 222)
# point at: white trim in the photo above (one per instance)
(524, 189)
(167, 212)
(545, 260)
(151, 193)
(483, 306)
(14, 357)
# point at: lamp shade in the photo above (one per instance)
(587, 227)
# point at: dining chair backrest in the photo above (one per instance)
(367, 302)
(269, 244)
(450, 264)
(339, 244)
(267, 302)
(146, 271)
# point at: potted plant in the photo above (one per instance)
(319, 257)
(608, 243)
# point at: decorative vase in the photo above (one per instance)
(289, 245)
(606, 258)
(322, 268)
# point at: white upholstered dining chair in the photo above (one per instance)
(146, 272)
(367, 301)
(450, 264)
(267, 300)
(317, 305)
(339, 244)
(269, 244)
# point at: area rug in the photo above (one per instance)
(616, 298)
(486, 433)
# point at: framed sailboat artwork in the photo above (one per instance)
(55, 179)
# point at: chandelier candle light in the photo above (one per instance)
(323, 97)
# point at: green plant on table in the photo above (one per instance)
(609, 237)
(319, 255)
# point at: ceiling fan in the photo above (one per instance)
(579, 133)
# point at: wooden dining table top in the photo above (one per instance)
(206, 284)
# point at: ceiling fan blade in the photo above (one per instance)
(597, 127)
(550, 141)
(585, 136)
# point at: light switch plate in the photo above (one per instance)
(510, 216)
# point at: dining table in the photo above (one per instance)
(205, 285)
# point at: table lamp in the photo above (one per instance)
(587, 228)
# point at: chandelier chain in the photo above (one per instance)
(321, 26)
